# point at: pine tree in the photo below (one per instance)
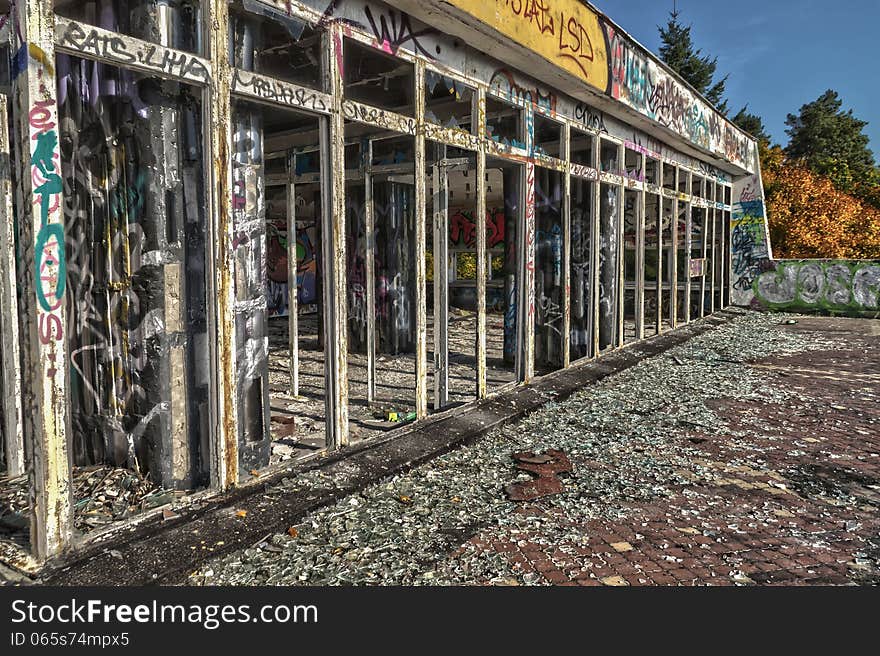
(677, 50)
(831, 142)
(751, 123)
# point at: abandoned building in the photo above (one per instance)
(236, 235)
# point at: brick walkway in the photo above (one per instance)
(807, 515)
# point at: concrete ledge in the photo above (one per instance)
(157, 552)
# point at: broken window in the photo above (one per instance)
(269, 41)
(582, 314)
(633, 161)
(697, 272)
(448, 102)
(609, 264)
(652, 171)
(136, 238)
(669, 173)
(504, 123)
(548, 137)
(172, 23)
(377, 79)
(652, 265)
(279, 310)
(668, 264)
(609, 157)
(549, 287)
(632, 262)
(581, 152)
(504, 194)
(381, 274)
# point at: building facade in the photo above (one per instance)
(239, 234)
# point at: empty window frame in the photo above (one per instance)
(171, 23)
(378, 79)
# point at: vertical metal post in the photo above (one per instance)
(292, 270)
(333, 246)
(714, 213)
(216, 104)
(688, 217)
(639, 303)
(566, 247)
(673, 272)
(595, 245)
(370, 267)
(661, 202)
(621, 248)
(441, 279)
(42, 281)
(705, 243)
(527, 322)
(421, 175)
(9, 331)
(482, 272)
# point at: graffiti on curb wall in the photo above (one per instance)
(826, 285)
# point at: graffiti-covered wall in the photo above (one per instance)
(836, 286)
(589, 54)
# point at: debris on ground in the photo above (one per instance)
(637, 478)
(546, 468)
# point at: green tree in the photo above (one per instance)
(831, 142)
(678, 51)
(751, 123)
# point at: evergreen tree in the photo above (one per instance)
(752, 124)
(831, 142)
(677, 50)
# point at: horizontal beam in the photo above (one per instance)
(279, 93)
(81, 40)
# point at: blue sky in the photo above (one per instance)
(780, 53)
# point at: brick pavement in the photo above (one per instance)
(793, 499)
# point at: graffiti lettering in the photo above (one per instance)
(395, 30)
(824, 285)
(463, 229)
(277, 91)
(374, 116)
(591, 118)
(95, 42)
(504, 83)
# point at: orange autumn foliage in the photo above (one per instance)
(810, 218)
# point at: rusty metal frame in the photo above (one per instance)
(528, 249)
(421, 174)
(217, 108)
(639, 301)
(482, 264)
(595, 244)
(620, 184)
(44, 390)
(566, 247)
(292, 273)
(370, 266)
(334, 247)
(42, 283)
(441, 278)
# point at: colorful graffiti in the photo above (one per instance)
(749, 241)
(638, 81)
(825, 285)
(463, 229)
(50, 270)
(278, 247)
(564, 32)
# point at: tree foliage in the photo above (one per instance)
(831, 142)
(678, 51)
(810, 218)
(751, 123)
